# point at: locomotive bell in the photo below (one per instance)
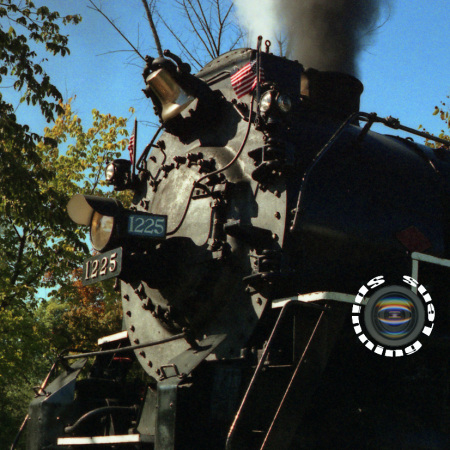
(172, 97)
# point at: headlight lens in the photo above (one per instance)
(284, 103)
(266, 101)
(109, 173)
(101, 230)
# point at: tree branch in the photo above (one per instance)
(193, 58)
(20, 251)
(195, 28)
(96, 8)
(205, 24)
(153, 28)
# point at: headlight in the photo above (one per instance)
(118, 174)
(284, 102)
(111, 224)
(109, 173)
(101, 230)
(273, 100)
(266, 101)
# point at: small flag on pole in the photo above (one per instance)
(245, 79)
(132, 143)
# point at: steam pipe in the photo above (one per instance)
(99, 412)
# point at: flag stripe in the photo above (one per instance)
(132, 144)
(244, 80)
(243, 73)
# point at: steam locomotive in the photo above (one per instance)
(257, 216)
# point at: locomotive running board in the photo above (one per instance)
(120, 337)
(316, 296)
(105, 440)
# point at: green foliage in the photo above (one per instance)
(40, 247)
(20, 24)
(79, 315)
(27, 200)
(37, 234)
(22, 366)
(86, 151)
(443, 113)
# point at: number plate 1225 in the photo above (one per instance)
(103, 266)
(147, 225)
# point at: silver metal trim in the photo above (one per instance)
(430, 259)
(317, 296)
(119, 439)
(113, 338)
(416, 257)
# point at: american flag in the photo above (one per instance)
(244, 80)
(132, 143)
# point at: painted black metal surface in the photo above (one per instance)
(52, 409)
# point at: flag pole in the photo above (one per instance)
(133, 173)
(258, 77)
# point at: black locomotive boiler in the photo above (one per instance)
(257, 216)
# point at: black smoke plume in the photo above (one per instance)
(328, 34)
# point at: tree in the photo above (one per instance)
(42, 248)
(37, 234)
(26, 201)
(21, 69)
(443, 112)
(77, 316)
(19, 61)
(22, 340)
(209, 28)
(20, 162)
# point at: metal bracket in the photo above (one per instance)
(164, 374)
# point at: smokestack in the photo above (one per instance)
(323, 34)
(328, 34)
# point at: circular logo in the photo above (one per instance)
(394, 317)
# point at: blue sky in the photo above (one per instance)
(405, 70)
